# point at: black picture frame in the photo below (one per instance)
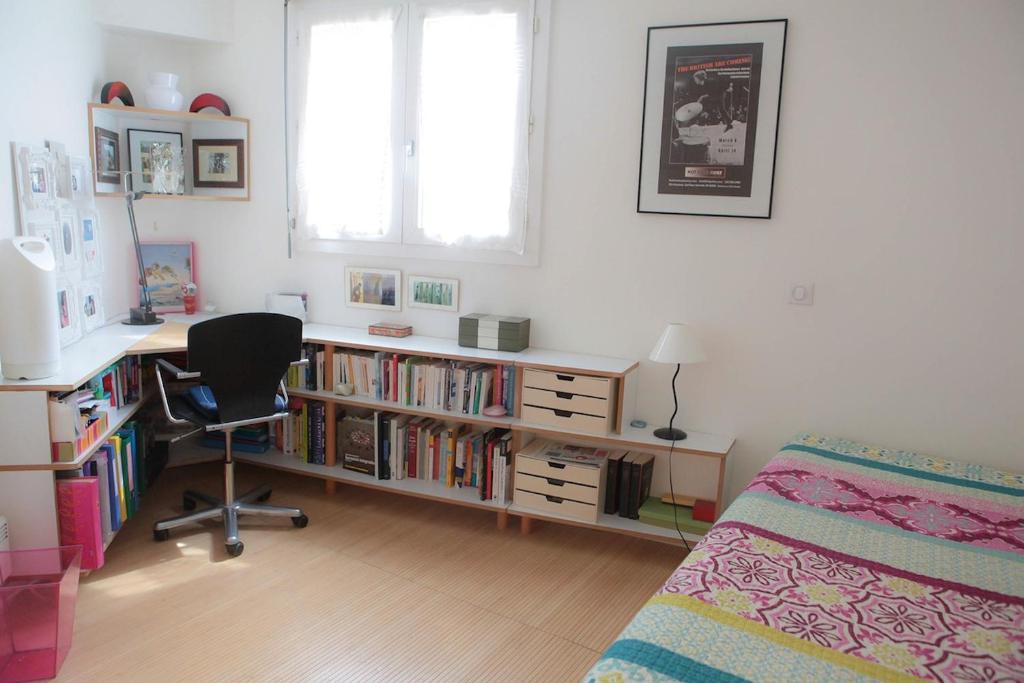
(137, 161)
(711, 114)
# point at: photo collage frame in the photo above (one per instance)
(56, 202)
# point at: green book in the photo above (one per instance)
(657, 513)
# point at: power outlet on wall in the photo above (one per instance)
(801, 293)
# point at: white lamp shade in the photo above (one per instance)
(678, 344)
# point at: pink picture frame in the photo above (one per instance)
(168, 266)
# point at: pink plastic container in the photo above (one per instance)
(37, 610)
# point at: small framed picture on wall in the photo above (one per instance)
(46, 227)
(373, 288)
(92, 260)
(440, 294)
(108, 156)
(92, 305)
(218, 163)
(169, 266)
(68, 313)
(69, 240)
(81, 188)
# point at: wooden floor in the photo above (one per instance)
(377, 587)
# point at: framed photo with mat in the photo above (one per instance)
(218, 163)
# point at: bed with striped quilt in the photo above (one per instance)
(843, 562)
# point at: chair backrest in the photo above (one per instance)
(243, 358)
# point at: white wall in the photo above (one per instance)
(898, 193)
(52, 55)
(209, 20)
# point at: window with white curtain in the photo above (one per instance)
(414, 127)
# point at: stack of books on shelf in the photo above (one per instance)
(302, 434)
(93, 506)
(413, 381)
(120, 383)
(394, 446)
(628, 483)
(658, 513)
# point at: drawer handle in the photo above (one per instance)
(557, 465)
(556, 482)
(564, 395)
(554, 499)
(566, 378)
(562, 413)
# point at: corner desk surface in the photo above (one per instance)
(106, 345)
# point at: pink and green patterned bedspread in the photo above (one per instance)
(843, 562)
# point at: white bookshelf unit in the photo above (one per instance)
(27, 473)
(620, 371)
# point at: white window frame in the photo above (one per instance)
(405, 240)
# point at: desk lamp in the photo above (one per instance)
(678, 344)
(142, 314)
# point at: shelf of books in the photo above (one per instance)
(415, 425)
(407, 383)
(399, 452)
(99, 458)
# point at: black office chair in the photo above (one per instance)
(241, 360)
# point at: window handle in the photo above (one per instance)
(410, 148)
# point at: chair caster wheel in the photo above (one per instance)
(234, 549)
(188, 503)
(264, 498)
(301, 521)
(161, 535)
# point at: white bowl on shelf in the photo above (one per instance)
(163, 92)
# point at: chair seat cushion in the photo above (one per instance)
(202, 404)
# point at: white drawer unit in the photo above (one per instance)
(547, 479)
(569, 401)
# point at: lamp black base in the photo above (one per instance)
(670, 433)
(140, 316)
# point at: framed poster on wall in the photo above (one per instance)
(711, 116)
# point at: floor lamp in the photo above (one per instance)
(678, 345)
